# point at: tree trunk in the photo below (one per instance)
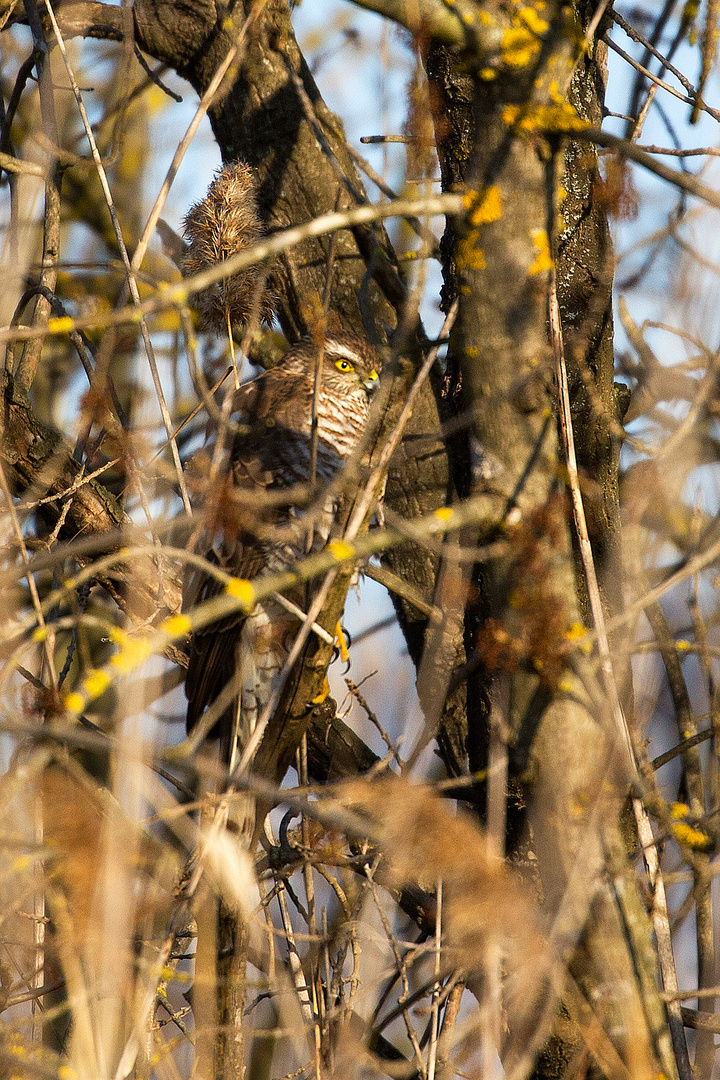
(501, 133)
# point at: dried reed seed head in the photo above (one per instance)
(487, 911)
(422, 842)
(92, 845)
(222, 224)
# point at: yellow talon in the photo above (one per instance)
(340, 638)
(345, 657)
(325, 692)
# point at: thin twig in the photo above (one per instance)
(402, 972)
(435, 1009)
(411, 139)
(296, 969)
(15, 165)
(25, 373)
(634, 35)
(155, 77)
(355, 692)
(657, 81)
(595, 20)
(132, 283)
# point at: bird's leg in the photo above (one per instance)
(344, 656)
(341, 639)
(324, 693)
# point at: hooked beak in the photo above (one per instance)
(371, 383)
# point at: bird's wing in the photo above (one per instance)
(210, 665)
(257, 464)
(212, 660)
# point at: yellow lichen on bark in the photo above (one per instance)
(543, 259)
(522, 40)
(483, 206)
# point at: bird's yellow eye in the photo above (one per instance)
(344, 365)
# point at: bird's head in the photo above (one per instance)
(349, 362)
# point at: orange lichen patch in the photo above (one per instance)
(559, 118)
(74, 703)
(543, 259)
(578, 634)
(341, 550)
(24, 1058)
(96, 683)
(176, 626)
(132, 652)
(470, 255)
(522, 40)
(241, 589)
(692, 837)
(63, 324)
(483, 206)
